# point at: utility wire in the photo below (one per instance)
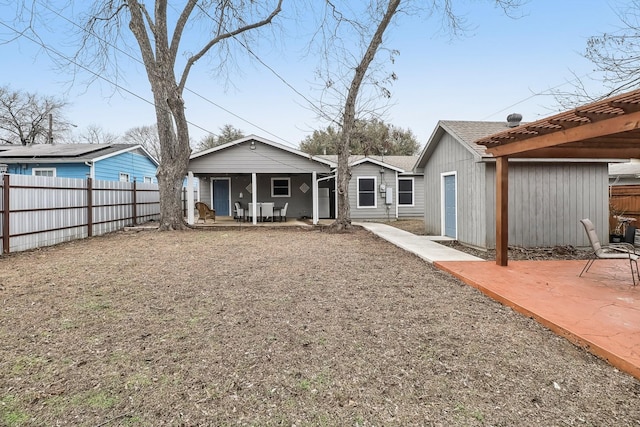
(186, 88)
(66, 58)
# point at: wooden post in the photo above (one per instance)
(502, 210)
(89, 207)
(6, 238)
(135, 210)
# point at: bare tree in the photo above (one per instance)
(147, 136)
(28, 118)
(616, 57)
(355, 66)
(95, 134)
(168, 38)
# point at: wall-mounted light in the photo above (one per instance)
(252, 145)
(381, 171)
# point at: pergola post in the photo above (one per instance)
(502, 210)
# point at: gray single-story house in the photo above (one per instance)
(547, 197)
(255, 170)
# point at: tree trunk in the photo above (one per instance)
(175, 153)
(343, 220)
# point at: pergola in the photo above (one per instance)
(607, 129)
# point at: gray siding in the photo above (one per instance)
(451, 156)
(382, 210)
(417, 210)
(547, 201)
(241, 159)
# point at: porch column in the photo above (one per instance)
(190, 201)
(502, 210)
(254, 197)
(314, 196)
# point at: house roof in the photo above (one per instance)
(263, 141)
(65, 153)
(466, 132)
(625, 169)
(609, 128)
(399, 163)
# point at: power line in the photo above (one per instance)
(66, 58)
(140, 62)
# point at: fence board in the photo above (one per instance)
(40, 211)
(624, 200)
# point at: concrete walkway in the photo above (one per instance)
(426, 247)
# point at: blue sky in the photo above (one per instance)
(496, 69)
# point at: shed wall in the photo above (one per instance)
(450, 156)
(547, 201)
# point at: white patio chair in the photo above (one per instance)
(267, 211)
(616, 251)
(283, 212)
(239, 216)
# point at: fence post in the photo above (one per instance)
(5, 217)
(89, 207)
(135, 210)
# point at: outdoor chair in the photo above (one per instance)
(239, 212)
(204, 212)
(267, 211)
(283, 212)
(615, 251)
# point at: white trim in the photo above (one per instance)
(375, 192)
(413, 191)
(442, 205)
(34, 170)
(126, 150)
(145, 178)
(190, 201)
(376, 162)
(285, 178)
(123, 174)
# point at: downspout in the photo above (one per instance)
(92, 169)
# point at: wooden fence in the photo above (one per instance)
(41, 211)
(624, 200)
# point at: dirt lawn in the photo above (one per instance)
(278, 327)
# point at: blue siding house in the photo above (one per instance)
(106, 162)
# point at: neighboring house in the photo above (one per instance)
(547, 197)
(254, 169)
(624, 173)
(108, 162)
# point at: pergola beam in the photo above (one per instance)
(623, 123)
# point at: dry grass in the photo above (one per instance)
(278, 327)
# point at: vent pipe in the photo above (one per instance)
(514, 119)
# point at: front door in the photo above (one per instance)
(449, 204)
(220, 196)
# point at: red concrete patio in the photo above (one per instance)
(599, 311)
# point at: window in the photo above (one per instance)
(280, 187)
(43, 171)
(366, 192)
(405, 191)
(124, 177)
(148, 180)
